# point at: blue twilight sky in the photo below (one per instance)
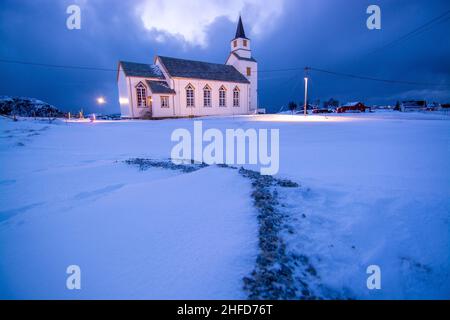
(326, 34)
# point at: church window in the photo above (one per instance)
(207, 96)
(249, 71)
(245, 43)
(235, 43)
(190, 97)
(164, 102)
(222, 97)
(236, 97)
(141, 95)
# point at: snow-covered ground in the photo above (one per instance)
(375, 189)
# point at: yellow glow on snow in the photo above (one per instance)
(300, 118)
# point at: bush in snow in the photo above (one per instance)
(292, 106)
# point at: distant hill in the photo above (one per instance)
(27, 107)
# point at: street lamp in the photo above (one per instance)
(101, 100)
(306, 94)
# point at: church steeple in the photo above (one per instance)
(240, 45)
(240, 33)
(241, 59)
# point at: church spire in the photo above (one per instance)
(240, 45)
(240, 33)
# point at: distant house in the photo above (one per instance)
(413, 105)
(352, 107)
(433, 106)
(322, 110)
(317, 109)
(384, 107)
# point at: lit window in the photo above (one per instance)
(141, 95)
(190, 97)
(207, 96)
(235, 43)
(249, 71)
(236, 97)
(164, 102)
(245, 43)
(222, 97)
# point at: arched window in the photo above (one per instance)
(141, 95)
(190, 96)
(236, 97)
(222, 97)
(207, 96)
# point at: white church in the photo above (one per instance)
(172, 87)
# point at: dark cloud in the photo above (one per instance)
(325, 34)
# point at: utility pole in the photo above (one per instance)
(306, 90)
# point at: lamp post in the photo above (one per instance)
(100, 101)
(306, 95)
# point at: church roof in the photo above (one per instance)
(159, 87)
(240, 33)
(133, 69)
(243, 58)
(201, 70)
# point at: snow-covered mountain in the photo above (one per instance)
(27, 107)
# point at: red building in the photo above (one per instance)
(352, 107)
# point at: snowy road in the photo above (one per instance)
(375, 190)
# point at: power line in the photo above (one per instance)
(428, 25)
(115, 70)
(266, 71)
(55, 65)
(377, 79)
(61, 66)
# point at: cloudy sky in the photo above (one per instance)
(287, 35)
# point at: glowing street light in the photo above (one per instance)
(101, 100)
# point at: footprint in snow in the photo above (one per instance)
(98, 192)
(8, 214)
(7, 182)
